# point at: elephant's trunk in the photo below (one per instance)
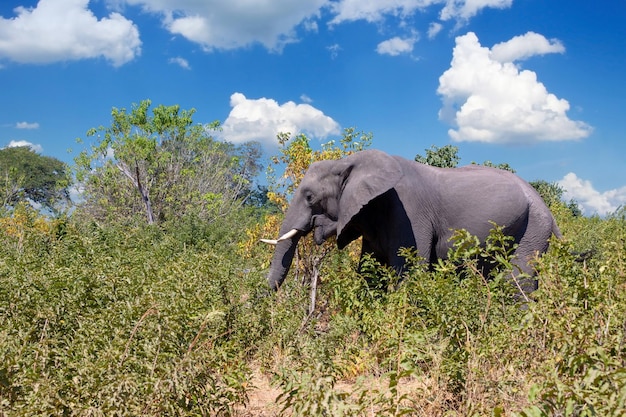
(296, 224)
(281, 262)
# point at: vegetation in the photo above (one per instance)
(163, 166)
(28, 176)
(102, 317)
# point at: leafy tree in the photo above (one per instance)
(444, 157)
(164, 166)
(28, 176)
(259, 199)
(448, 157)
(503, 166)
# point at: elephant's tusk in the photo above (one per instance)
(270, 241)
(286, 236)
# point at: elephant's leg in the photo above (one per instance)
(532, 244)
(523, 274)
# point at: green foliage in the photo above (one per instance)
(579, 329)
(444, 157)
(163, 166)
(447, 156)
(113, 321)
(26, 175)
(307, 393)
(504, 166)
(100, 318)
(485, 353)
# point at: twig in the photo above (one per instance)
(148, 312)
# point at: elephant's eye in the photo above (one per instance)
(309, 198)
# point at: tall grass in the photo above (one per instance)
(111, 320)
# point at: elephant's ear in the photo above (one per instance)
(366, 175)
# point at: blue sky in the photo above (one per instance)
(537, 84)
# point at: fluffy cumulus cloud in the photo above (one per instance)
(62, 30)
(397, 46)
(591, 200)
(20, 143)
(218, 24)
(262, 119)
(490, 99)
(525, 46)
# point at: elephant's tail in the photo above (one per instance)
(555, 230)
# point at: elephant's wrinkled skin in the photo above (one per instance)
(394, 203)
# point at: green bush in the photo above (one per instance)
(173, 320)
(125, 322)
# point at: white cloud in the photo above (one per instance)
(376, 10)
(262, 119)
(591, 200)
(306, 99)
(463, 10)
(525, 46)
(334, 50)
(26, 125)
(433, 29)
(397, 46)
(496, 102)
(217, 24)
(20, 143)
(181, 62)
(62, 30)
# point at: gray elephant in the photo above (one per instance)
(394, 203)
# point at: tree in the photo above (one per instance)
(503, 166)
(448, 157)
(164, 166)
(445, 157)
(28, 176)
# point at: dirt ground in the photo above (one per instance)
(262, 399)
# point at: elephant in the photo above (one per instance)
(395, 203)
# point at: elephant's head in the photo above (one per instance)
(330, 195)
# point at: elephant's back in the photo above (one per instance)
(474, 197)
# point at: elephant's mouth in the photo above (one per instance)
(323, 227)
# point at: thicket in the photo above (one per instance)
(176, 321)
(101, 318)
